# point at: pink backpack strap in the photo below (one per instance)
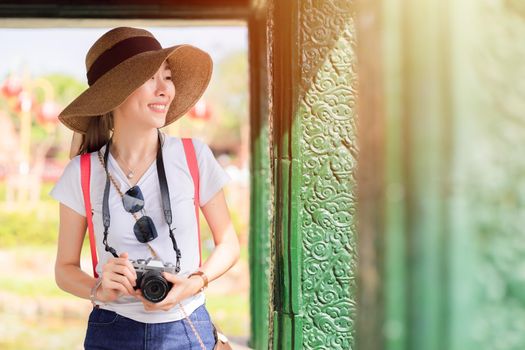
(85, 173)
(189, 150)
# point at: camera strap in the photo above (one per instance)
(166, 204)
(191, 159)
(106, 219)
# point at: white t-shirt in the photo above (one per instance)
(213, 177)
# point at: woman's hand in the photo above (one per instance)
(118, 278)
(182, 288)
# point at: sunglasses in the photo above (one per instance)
(144, 228)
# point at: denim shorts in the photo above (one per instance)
(109, 330)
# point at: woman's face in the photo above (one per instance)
(148, 105)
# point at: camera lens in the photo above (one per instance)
(154, 287)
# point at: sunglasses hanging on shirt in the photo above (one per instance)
(133, 201)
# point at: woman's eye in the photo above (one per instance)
(168, 78)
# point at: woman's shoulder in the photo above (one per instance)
(176, 142)
(70, 174)
(73, 167)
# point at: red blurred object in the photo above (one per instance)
(25, 102)
(48, 113)
(12, 86)
(201, 110)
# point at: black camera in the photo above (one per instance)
(150, 281)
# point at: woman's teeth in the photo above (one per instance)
(157, 108)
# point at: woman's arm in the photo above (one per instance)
(118, 274)
(227, 249)
(68, 275)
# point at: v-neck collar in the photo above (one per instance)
(121, 172)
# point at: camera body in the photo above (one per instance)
(150, 281)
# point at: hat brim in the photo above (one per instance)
(191, 70)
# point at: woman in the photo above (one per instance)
(135, 88)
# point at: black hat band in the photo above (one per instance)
(120, 52)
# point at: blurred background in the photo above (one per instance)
(43, 70)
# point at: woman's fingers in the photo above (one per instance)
(125, 262)
(171, 300)
(114, 286)
(149, 306)
(121, 274)
(124, 271)
(120, 264)
(123, 280)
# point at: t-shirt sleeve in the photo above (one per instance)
(68, 189)
(212, 177)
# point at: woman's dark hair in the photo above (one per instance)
(97, 134)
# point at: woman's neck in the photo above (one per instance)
(134, 147)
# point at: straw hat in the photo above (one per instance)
(123, 59)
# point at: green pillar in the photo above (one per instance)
(313, 70)
(260, 184)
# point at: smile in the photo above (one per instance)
(157, 107)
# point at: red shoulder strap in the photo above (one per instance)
(189, 150)
(85, 172)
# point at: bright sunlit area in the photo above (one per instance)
(43, 70)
